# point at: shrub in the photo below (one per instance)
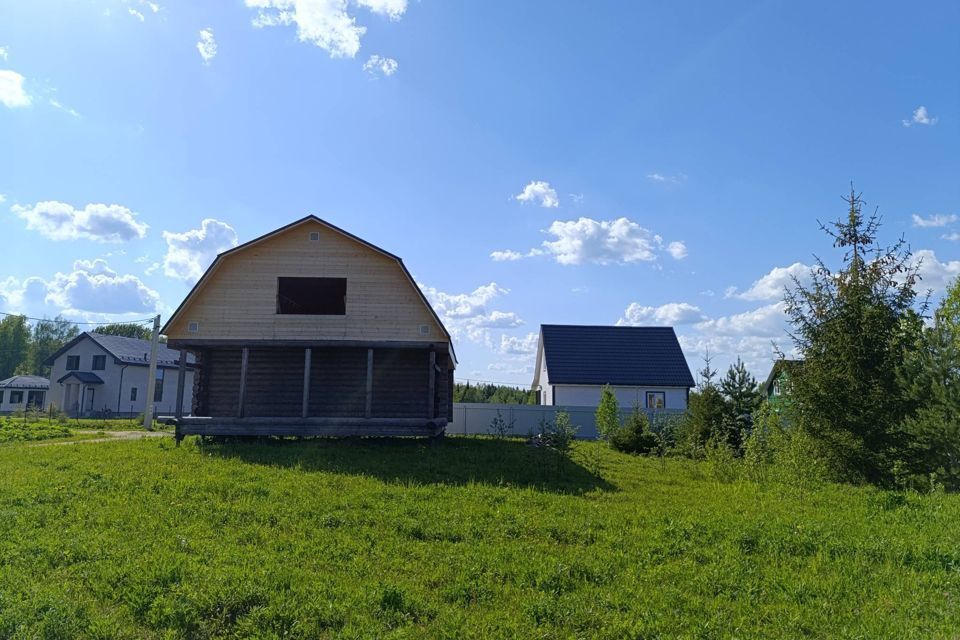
(722, 461)
(635, 435)
(501, 428)
(608, 414)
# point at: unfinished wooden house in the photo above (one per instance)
(309, 330)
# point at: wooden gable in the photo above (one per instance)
(237, 297)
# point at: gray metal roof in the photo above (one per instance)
(127, 350)
(25, 382)
(83, 376)
(634, 356)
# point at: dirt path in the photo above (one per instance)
(112, 435)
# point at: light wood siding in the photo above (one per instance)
(238, 299)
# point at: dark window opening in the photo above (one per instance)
(312, 296)
(158, 386)
(16, 397)
(73, 363)
(99, 363)
(133, 394)
(35, 398)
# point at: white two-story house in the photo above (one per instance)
(101, 375)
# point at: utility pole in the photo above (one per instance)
(152, 376)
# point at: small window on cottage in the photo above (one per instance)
(73, 363)
(776, 387)
(16, 397)
(133, 394)
(656, 399)
(312, 296)
(1, 396)
(99, 363)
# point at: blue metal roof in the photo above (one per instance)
(127, 350)
(25, 382)
(634, 356)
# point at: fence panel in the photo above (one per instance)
(476, 418)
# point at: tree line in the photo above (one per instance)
(493, 393)
(25, 347)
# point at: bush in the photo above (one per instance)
(635, 435)
(608, 414)
(722, 460)
(501, 428)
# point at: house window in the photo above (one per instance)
(158, 386)
(312, 296)
(1, 396)
(73, 363)
(35, 398)
(776, 387)
(99, 363)
(133, 394)
(16, 397)
(656, 399)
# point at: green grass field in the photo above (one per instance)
(473, 538)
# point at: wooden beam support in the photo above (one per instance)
(432, 391)
(307, 357)
(244, 358)
(181, 382)
(368, 409)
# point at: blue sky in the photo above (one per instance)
(532, 162)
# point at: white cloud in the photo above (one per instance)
(933, 221)
(4, 53)
(506, 256)
(677, 250)
(327, 24)
(207, 45)
(136, 14)
(469, 313)
(519, 346)
(377, 65)
(920, 116)
(947, 236)
(670, 314)
(934, 274)
(57, 105)
(766, 321)
(666, 179)
(619, 241)
(3, 198)
(191, 252)
(539, 191)
(92, 287)
(100, 222)
(773, 285)
(12, 93)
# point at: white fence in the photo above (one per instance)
(476, 418)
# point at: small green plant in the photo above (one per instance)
(607, 415)
(501, 428)
(722, 461)
(635, 436)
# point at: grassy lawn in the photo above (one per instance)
(474, 538)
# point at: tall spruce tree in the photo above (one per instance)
(742, 395)
(852, 327)
(705, 409)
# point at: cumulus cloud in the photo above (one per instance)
(953, 237)
(328, 24)
(100, 222)
(773, 285)
(539, 191)
(920, 116)
(207, 45)
(191, 252)
(934, 220)
(934, 274)
(506, 256)
(670, 314)
(470, 313)
(677, 250)
(136, 14)
(92, 287)
(4, 53)
(380, 66)
(519, 346)
(12, 93)
(767, 321)
(619, 241)
(666, 179)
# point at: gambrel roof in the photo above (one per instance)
(628, 356)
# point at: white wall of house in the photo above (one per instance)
(7, 397)
(627, 397)
(116, 393)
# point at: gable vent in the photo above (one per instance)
(424, 330)
(193, 327)
(314, 236)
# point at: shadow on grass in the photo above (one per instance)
(451, 461)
